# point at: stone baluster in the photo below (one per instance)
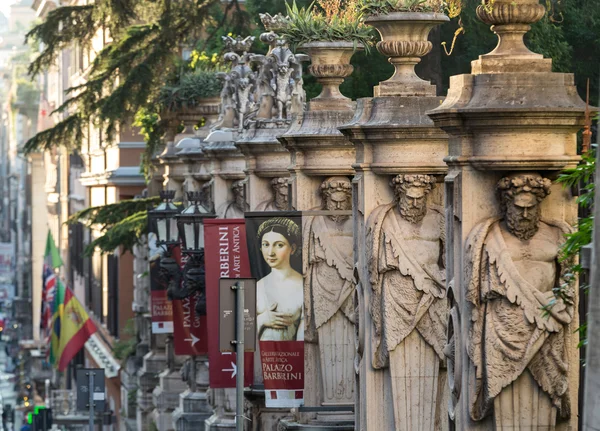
(321, 168)
(512, 126)
(399, 238)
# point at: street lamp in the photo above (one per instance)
(163, 220)
(163, 223)
(191, 230)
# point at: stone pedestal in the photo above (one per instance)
(591, 411)
(321, 168)
(399, 240)
(194, 407)
(154, 363)
(266, 160)
(166, 398)
(224, 404)
(512, 126)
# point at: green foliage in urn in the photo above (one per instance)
(326, 21)
(375, 7)
(197, 81)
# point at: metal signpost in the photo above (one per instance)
(90, 391)
(245, 328)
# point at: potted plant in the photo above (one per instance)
(195, 97)
(330, 31)
(404, 26)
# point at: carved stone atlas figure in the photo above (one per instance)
(280, 196)
(329, 287)
(405, 243)
(236, 207)
(512, 268)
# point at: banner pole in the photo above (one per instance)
(91, 399)
(239, 349)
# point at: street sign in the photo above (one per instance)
(83, 389)
(227, 314)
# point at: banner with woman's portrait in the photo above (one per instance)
(275, 251)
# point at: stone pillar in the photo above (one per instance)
(154, 362)
(279, 96)
(399, 239)
(591, 412)
(321, 169)
(194, 407)
(166, 394)
(512, 126)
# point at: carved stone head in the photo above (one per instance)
(520, 197)
(337, 196)
(207, 198)
(280, 193)
(239, 195)
(410, 191)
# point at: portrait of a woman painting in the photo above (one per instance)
(279, 293)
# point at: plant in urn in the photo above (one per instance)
(330, 32)
(404, 26)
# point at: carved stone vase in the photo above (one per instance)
(206, 108)
(510, 20)
(331, 65)
(404, 40)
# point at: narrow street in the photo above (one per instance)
(8, 395)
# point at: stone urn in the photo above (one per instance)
(510, 20)
(330, 65)
(206, 108)
(404, 40)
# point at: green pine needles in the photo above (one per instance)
(326, 21)
(122, 224)
(127, 74)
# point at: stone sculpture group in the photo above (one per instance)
(435, 295)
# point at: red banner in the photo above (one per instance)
(274, 241)
(226, 256)
(162, 309)
(283, 372)
(190, 336)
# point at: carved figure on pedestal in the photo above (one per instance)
(236, 207)
(239, 85)
(405, 255)
(280, 196)
(279, 79)
(329, 283)
(514, 348)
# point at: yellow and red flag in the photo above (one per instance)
(75, 329)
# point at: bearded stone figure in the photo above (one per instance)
(518, 350)
(405, 256)
(236, 207)
(280, 196)
(329, 284)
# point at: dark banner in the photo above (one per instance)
(226, 256)
(162, 309)
(275, 249)
(190, 336)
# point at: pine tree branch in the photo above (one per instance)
(107, 216)
(68, 132)
(126, 75)
(62, 27)
(125, 234)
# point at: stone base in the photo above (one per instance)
(163, 420)
(316, 425)
(193, 411)
(220, 422)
